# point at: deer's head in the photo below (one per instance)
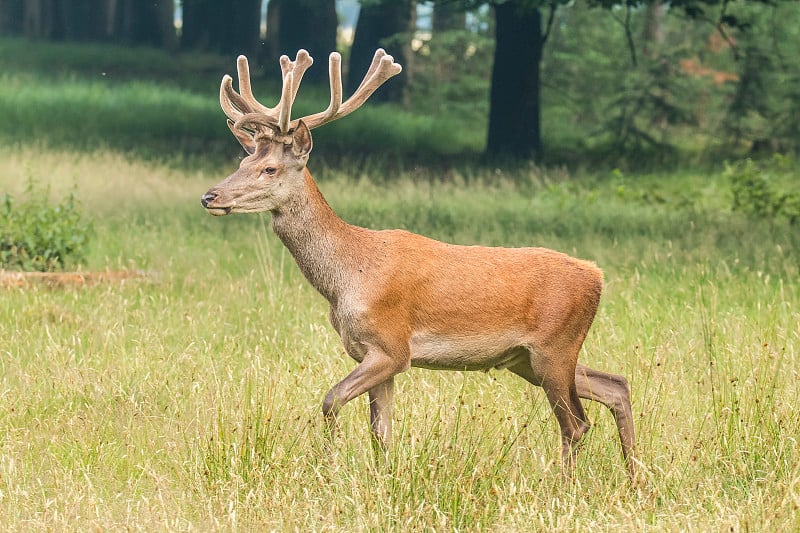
(278, 147)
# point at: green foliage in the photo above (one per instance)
(689, 83)
(450, 76)
(38, 236)
(654, 100)
(764, 112)
(758, 192)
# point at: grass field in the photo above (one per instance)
(192, 401)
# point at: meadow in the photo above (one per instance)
(191, 400)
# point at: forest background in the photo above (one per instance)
(634, 82)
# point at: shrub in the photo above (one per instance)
(757, 192)
(35, 235)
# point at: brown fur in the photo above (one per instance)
(399, 300)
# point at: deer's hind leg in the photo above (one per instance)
(612, 391)
(559, 386)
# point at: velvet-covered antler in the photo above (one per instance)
(245, 112)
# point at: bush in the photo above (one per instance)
(757, 191)
(38, 236)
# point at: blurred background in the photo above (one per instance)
(623, 84)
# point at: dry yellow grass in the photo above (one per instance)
(193, 403)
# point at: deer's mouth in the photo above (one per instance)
(219, 211)
(207, 201)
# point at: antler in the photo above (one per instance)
(245, 112)
(382, 68)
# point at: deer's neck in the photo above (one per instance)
(317, 239)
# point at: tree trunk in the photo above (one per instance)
(166, 22)
(193, 27)
(11, 17)
(83, 20)
(514, 107)
(243, 28)
(56, 20)
(270, 52)
(32, 15)
(230, 27)
(387, 24)
(653, 34)
(308, 24)
(43, 19)
(143, 23)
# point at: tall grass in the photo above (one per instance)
(192, 401)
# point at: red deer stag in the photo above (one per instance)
(398, 299)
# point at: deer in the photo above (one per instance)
(400, 300)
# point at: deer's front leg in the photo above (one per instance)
(374, 373)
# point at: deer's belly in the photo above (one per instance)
(466, 352)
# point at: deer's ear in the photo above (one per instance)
(244, 138)
(301, 140)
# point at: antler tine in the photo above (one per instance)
(287, 100)
(237, 106)
(382, 68)
(385, 69)
(380, 53)
(226, 95)
(245, 90)
(335, 75)
(292, 72)
(298, 67)
(244, 110)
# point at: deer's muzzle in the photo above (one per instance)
(207, 201)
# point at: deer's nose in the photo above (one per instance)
(207, 198)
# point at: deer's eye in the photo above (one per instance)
(269, 171)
